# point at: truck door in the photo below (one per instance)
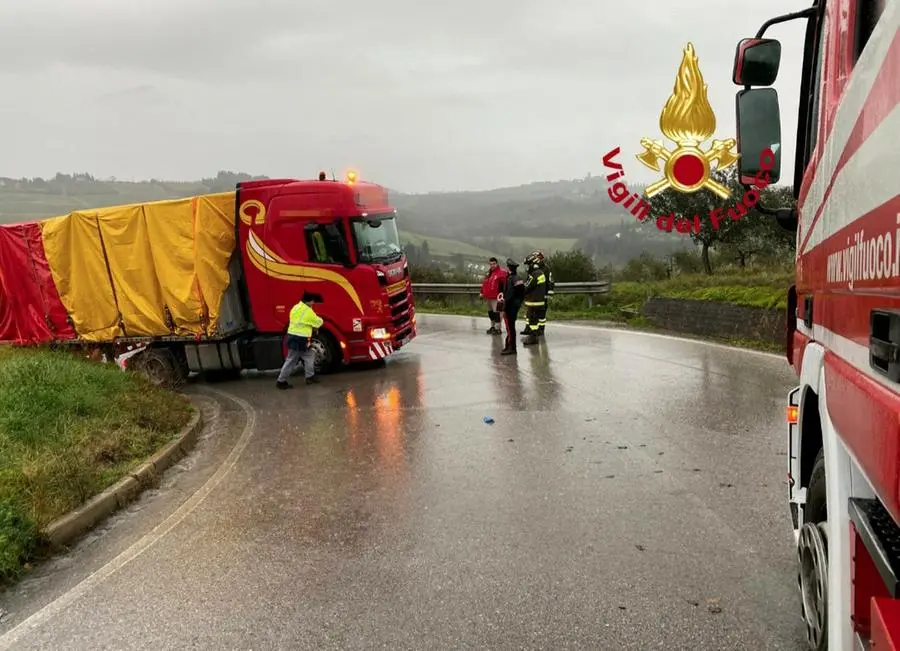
(302, 239)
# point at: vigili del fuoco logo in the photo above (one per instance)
(688, 121)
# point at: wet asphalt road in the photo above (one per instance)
(629, 495)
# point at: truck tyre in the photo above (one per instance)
(159, 367)
(816, 507)
(812, 550)
(326, 349)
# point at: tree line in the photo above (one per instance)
(742, 235)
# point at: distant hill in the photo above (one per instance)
(552, 215)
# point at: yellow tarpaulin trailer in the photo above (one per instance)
(143, 270)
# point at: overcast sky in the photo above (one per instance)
(416, 95)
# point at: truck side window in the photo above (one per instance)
(322, 248)
(867, 14)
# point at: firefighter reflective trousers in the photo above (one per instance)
(536, 315)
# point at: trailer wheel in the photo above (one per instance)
(325, 347)
(159, 367)
(812, 550)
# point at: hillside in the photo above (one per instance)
(459, 226)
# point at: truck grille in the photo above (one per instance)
(401, 321)
(400, 305)
(398, 299)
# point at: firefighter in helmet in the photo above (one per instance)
(535, 297)
(542, 263)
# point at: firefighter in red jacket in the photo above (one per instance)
(491, 286)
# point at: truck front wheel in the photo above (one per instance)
(812, 550)
(326, 349)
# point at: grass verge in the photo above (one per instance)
(68, 430)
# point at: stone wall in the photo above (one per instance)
(712, 319)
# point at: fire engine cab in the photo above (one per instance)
(843, 319)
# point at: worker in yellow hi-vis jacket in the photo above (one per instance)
(304, 321)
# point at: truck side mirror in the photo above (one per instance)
(758, 133)
(756, 62)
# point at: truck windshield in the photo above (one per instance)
(377, 242)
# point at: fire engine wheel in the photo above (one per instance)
(324, 346)
(812, 550)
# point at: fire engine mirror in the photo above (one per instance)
(756, 62)
(758, 134)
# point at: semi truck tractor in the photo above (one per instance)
(205, 284)
(843, 317)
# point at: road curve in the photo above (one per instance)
(628, 495)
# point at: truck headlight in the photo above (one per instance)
(378, 333)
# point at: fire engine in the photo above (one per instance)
(206, 284)
(843, 326)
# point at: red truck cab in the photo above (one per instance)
(338, 241)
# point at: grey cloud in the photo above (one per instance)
(421, 95)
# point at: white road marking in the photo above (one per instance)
(62, 602)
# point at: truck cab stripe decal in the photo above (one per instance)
(275, 266)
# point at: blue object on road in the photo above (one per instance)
(488, 420)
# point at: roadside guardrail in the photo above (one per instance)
(473, 290)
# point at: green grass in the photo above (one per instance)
(443, 247)
(764, 290)
(69, 429)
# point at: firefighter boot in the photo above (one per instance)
(531, 339)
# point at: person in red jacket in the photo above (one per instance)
(491, 286)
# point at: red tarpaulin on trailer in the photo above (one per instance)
(30, 309)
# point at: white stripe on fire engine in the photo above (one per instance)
(855, 95)
(851, 352)
(372, 354)
(868, 180)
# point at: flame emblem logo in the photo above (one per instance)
(688, 120)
